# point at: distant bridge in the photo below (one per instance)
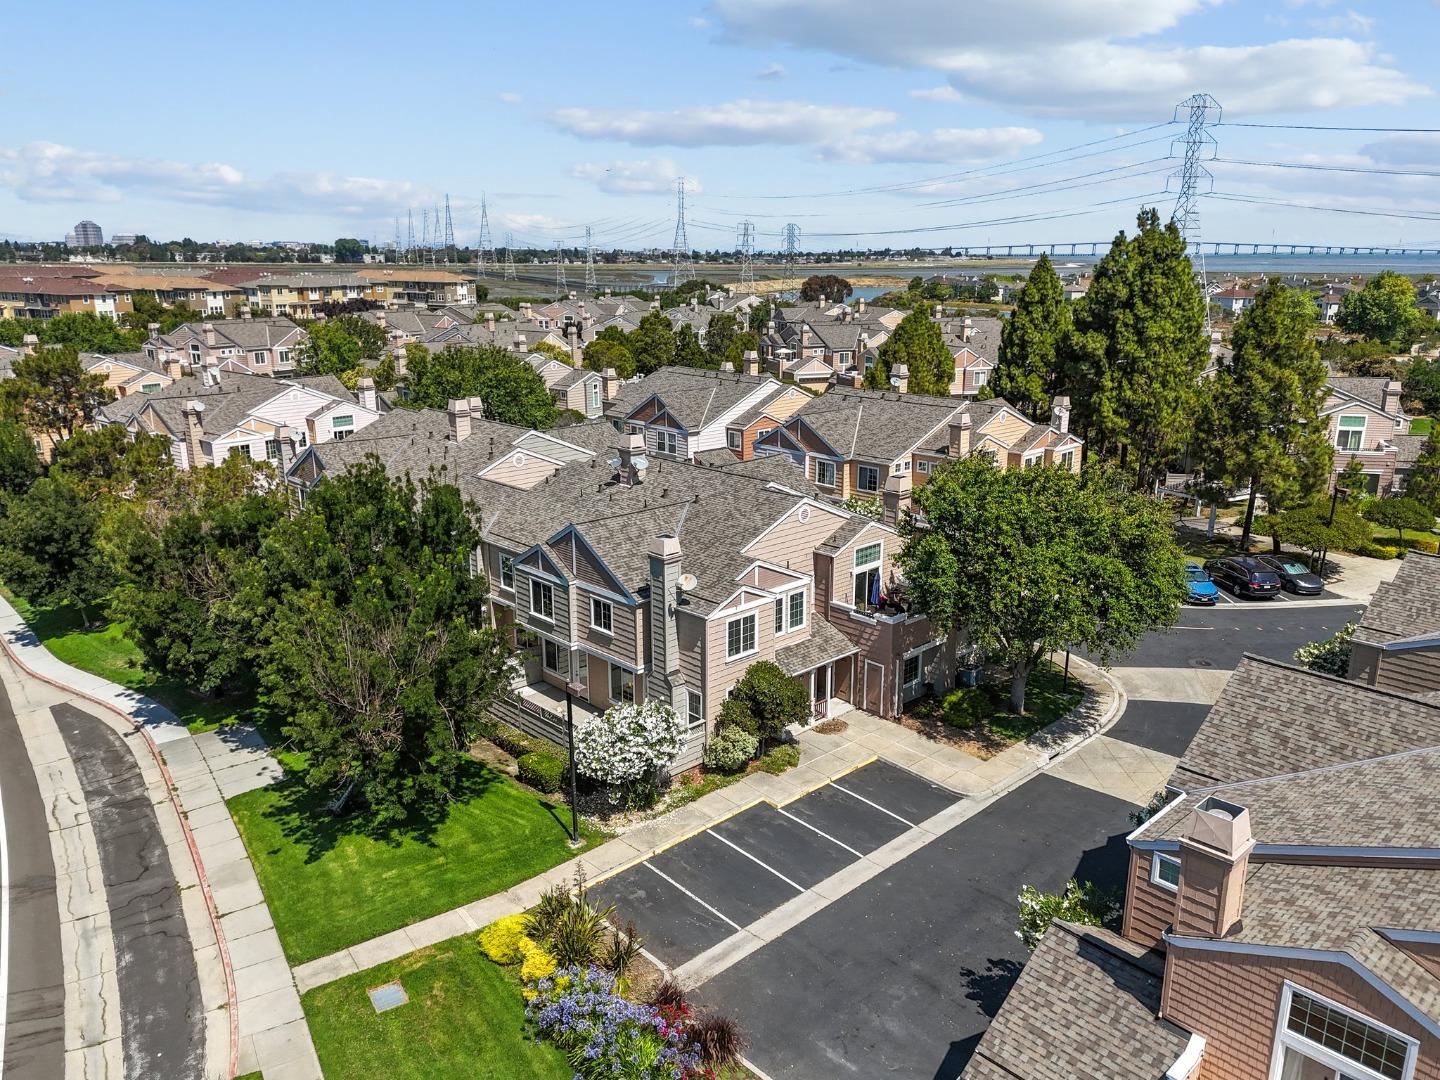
(1208, 247)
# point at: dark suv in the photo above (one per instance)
(1244, 577)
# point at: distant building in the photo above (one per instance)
(86, 234)
(121, 239)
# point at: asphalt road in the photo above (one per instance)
(32, 991)
(1217, 637)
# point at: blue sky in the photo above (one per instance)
(865, 123)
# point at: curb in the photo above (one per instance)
(223, 949)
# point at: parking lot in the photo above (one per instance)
(695, 895)
(1280, 597)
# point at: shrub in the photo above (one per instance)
(628, 746)
(1379, 551)
(579, 934)
(548, 911)
(514, 741)
(1087, 904)
(1427, 544)
(504, 940)
(731, 749)
(766, 701)
(781, 759)
(542, 771)
(538, 963)
(620, 954)
(1329, 657)
(965, 706)
(669, 994)
(718, 1038)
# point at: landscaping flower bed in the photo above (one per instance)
(978, 719)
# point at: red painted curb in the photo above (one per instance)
(224, 949)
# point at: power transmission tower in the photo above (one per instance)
(1199, 112)
(451, 255)
(409, 234)
(792, 248)
(589, 264)
(397, 238)
(684, 269)
(485, 257)
(509, 256)
(424, 232)
(560, 267)
(747, 254)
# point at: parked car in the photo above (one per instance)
(1202, 589)
(1244, 576)
(1295, 576)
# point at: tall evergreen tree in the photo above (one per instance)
(1138, 347)
(918, 344)
(652, 343)
(688, 350)
(51, 393)
(1030, 341)
(1260, 421)
(1424, 482)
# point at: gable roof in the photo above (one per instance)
(875, 425)
(1407, 606)
(695, 397)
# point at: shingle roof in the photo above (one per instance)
(873, 425)
(824, 644)
(1366, 389)
(416, 442)
(240, 333)
(694, 396)
(227, 404)
(1407, 606)
(1086, 1005)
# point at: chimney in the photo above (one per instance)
(490, 321)
(367, 395)
(895, 499)
(208, 330)
(525, 310)
(30, 343)
(752, 362)
(285, 440)
(665, 597)
(477, 408)
(860, 305)
(381, 321)
(633, 463)
(459, 413)
(694, 302)
(960, 436)
(518, 344)
(194, 415)
(1215, 847)
(245, 312)
(1392, 397)
(153, 329)
(857, 379)
(1060, 414)
(967, 328)
(727, 367)
(572, 294)
(900, 378)
(173, 367)
(210, 373)
(655, 304)
(938, 313)
(612, 383)
(576, 349)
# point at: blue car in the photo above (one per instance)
(1202, 589)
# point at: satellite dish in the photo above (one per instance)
(687, 583)
(894, 380)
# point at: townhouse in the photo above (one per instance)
(245, 345)
(216, 413)
(1396, 645)
(306, 295)
(126, 373)
(1282, 911)
(179, 290)
(1366, 424)
(975, 345)
(395, 285)
(1234, 300)
(811, 343)
(45, 292)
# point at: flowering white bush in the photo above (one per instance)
(628, 743)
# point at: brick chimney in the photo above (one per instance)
(633, 463)
(900, 378)
(1215, 847)
(194, 428)
(960, 436)
(458, 409)
(664, 671)
(612, 383)
(752, 362)
(366, 394)
(1060, 414)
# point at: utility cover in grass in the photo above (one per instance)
(387, 996)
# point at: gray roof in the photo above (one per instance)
(873, 425)
(694, 396)
(417, 443)
(1086, 1005)
(1371, 390)
(824, 644)
(1407, 606)
(240, 333)
(227, 403)
(984, 336)
(330, 279)
(1408, 448)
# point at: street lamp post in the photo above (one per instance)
(571, 689)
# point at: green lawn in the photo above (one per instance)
(330, 885)
(1421, 425)
(1046, 700)
(464, 1021)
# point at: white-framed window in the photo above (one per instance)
(282, 357)
(1165, 871)
(902, 467)
(779, 615)
(694, 708)
(602, 615)
(796, 614)
(1066, 460)
(980, 378)
(1034, 461)
(195, 354)
(622, 684)
(260, 358)
(272, 449)
(866, 577)
(824, 473)
(342, 427)
(243, 449)
(594, 395)
(1335, 1041)
(542, 600)
(923, 467)
(867, 478)
(1350, 435)
(582, 669)
(555, 658)
(740, 637)
(507, 572)
(911, 670)
(666, 443)
(733, 439)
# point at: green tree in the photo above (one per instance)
(375, 644)
(1330, 656)
(384, 373)
(1260, 417)
(605, 352)
(765, 702)
(109, 461)
(917, 343)
(1424, 483)
(652, 343)
(1026, 373)
(1400, 514)
(328, 349)
(740, 344)
(19, 460)
(513, 391)
(146, 309)
(84, 331)
(1384, 310)
(719, 335)
(1087, 905)
(48, 552)
(834, 289)
(549, 348)
(688, 350)
(1029, 561)
(51, 393)
(1132, 364)
(349, 250)
(1318, 526)
(1422, 383)
(759, 316)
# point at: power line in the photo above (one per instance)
(1013, 220)
(1261, 200)
(1316, 167)
(485, 256)
(1335, 127)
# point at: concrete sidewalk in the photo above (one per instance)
(255, 1012)
(822, 759)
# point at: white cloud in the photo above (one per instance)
(944, 145)
(771, 71)
(525, 222)
(649, 176)
(43, 172)
(1413, 149)
(946, 93)
(1351, 22)
(733, 123)
(1057, 57)
(509, 97)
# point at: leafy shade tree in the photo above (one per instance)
(1400, 514)
(917, 343)
(107, 460)
(688, 350)
(760, 315)
(765, 702)
(48, 552)
(832, 288)
(606, 352)
(1029, 561)
(1086, 904)
(1422, 383)
(52, 394)
(740, 344)
(180, 557)
(1260, 418)
(1133, 362)
(549, 348)
(1384, 310)
(374, 638)
(83, 331)
(19, 461)
(1318, 526)
(514, 392)
(720, 334)
(339, 346)
(349, 250)
(384, 373)
(1030, 341)
(146, 309)
(652, 343)
(1424, 483)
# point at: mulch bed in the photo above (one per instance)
(924, 718)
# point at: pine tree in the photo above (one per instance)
(918, 344)
(1026, 372)
(1424, 483)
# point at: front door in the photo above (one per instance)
(874, 686)
(820, 696)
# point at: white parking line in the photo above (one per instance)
(757, 862)
(713, 911)
(1227, 599)
(867, 802)
(818, 832)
